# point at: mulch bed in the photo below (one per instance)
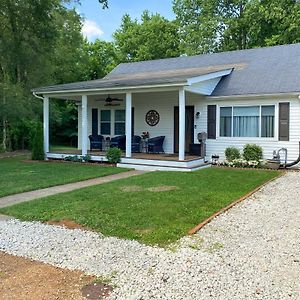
(68, 224)
(96, 291)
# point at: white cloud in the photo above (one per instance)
(90, 29)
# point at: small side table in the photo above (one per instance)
(106, 144)
(144, 145)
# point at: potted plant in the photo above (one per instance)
(145, 135)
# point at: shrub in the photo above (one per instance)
(73, 158)
(78, 158)
(113, 155)
(232, 153)
(37, 152)
(252, 152)
(86, 158)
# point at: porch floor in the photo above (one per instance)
(150, 156)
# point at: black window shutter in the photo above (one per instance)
(211, 121)
(94, 121)
(284, 121)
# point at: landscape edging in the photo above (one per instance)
(224, 209)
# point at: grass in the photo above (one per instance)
(61, 148)
(160, 217)
(18, 175)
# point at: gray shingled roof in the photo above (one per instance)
(136, 79)
(266, 70)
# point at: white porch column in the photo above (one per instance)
(128, 123)
(84, 125)
(181, 124)
(46, 124)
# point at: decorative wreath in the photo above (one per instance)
(152, 117)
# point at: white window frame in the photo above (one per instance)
(100, 121)
(119, 122)
(259, 138)
(112, 120)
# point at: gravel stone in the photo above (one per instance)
(251, 251)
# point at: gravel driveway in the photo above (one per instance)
(250, 252)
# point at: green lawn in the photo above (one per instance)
(17, 175)
(61, 148)
(129, 208)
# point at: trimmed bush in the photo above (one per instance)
(37, 151)
(232, 153)
(113, 155)
(252, 152)
(78, 158)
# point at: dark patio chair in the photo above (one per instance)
(96, 141)
(136, 144)
(155, 145)
(118, 142)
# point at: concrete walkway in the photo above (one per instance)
(28, 196)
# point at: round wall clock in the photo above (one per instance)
(152, 117)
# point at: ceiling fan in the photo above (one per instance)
(110, 101)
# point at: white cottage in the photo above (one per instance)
(236, 97)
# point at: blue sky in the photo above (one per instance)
(101, 23)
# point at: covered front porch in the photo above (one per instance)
(160, 110)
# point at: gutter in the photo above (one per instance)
(37, 96)
(123, 89)
(260, 96)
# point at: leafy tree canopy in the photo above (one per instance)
(218, 25)
(152, 38)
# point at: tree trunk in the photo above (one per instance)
(4, 130)
(4, 135)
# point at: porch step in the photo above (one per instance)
(151, 167)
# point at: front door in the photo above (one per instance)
(189, 128)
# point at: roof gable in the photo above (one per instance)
(255, 71)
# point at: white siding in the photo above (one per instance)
(219, 145)
(164, 103)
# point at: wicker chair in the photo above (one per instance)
(96, 141)
(118, 142)
(155, 145)
(136, 144)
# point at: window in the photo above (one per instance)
(119, 122)
(267, 121)
(105, 122)
(247, 121)
(225, 121)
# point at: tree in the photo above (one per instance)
(152, 38)
(26, 32)
(101, 59)
(278, 22)
(219, 25)
(40, 44)
(37, 142)
(69, 57)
